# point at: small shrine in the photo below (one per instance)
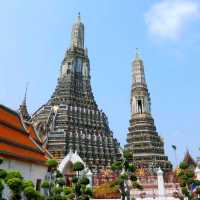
(66, 167)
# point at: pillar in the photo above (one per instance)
(161, 185)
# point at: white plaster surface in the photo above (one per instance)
(70, 157)
(29, 171)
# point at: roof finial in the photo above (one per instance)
(23, 108)
(24, 101)
(79, 17)
(137, 54)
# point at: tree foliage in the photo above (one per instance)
(52, 164)
(31, 194)
(45, 184)
(15, 185)
(13, 174)
(80, 183)
(78, 166)
(126, 171)
(18, 186)
(188, 183)
(67, 190)
(27, 183)
(3, 173)
(53, 186)
(1, 160)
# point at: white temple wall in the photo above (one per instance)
(28, 170)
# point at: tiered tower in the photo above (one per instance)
(143, 139)
(71, 120)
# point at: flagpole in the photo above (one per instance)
(176, 160)
(175, 154)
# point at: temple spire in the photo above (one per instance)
(143, 140)
(140, 102)
(23, 107)
(73, 112)
(138, 71)
(77, 36)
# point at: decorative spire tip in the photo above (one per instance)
(137, 54)
(79, 17)
(25, 95)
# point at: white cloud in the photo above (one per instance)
(168, 18)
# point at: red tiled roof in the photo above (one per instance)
(9, 116)
(15, 135)
(8, 150)
(17, 142)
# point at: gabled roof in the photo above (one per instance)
(31, 130)
(18, 142)
(189, 160)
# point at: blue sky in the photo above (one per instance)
(35, 34)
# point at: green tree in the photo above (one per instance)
(1, 189)
(27, 183)
(52, 164)
(78, 166)
(60, 181)
(187, 180)
(45, 184)
(52, 169)
(127, 174)
(14, 181)
(31, 194)
(13, 174)
(3, 175)
(15, 185)
(1, 160)
(29, 191)
(80, 183)
(54, 184)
